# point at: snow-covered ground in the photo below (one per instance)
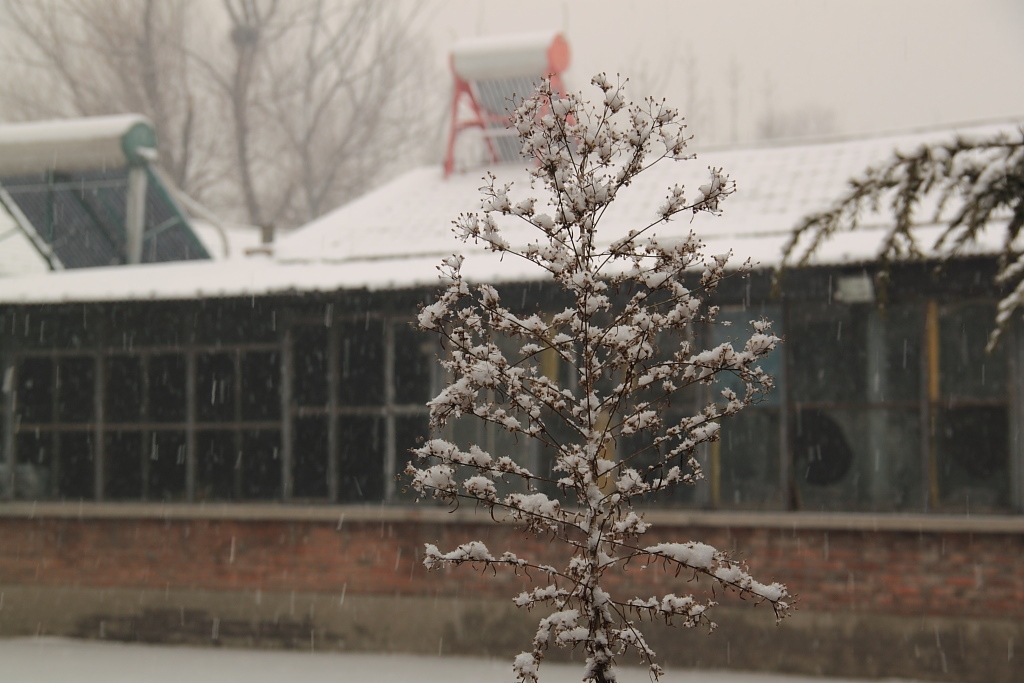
(56, 660)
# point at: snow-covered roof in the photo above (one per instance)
(776, 187)
(393, 237)
(226, 240)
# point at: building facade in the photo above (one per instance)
(208, 452)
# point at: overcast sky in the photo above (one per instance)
(849, 66)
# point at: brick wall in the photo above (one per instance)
(890, 572)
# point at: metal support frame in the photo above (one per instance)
(1015, 343)
(7, 491)
(390, 428)
(287, 480)
(333, 387)
(98, 430)
(930, 397)
(135, 213)
(191, 459)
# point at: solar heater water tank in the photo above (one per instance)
(513, 56)
(490, 73)
(68, 146)
(86, 192)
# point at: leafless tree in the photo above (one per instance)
(272, 111)
(94, 57)
(625, 341)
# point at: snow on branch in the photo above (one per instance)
(625, 345)
(967, 183)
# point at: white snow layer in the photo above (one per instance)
(395, 236)
(56, 660)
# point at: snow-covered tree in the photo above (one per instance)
(627, 340)
(973, 182)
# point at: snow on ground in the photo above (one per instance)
(57, 660)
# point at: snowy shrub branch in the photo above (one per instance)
(980, 179)
(627, 339)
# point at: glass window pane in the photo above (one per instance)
(827, 351)
(75, 389)
(123, 466)
(310, 366)
(167, 388)
(414, 364)
(33, 473)
(215, 387)
(361, 363)
(35, 390)
(968, 371)
(74, 466)
(261, 381)
(124, 389)
(261, 465)
(360, 459)
(310, 458)
(973, 463)
(895, 372)
(65, 327)
(745, 460)
(166, 466)
(217, 461)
